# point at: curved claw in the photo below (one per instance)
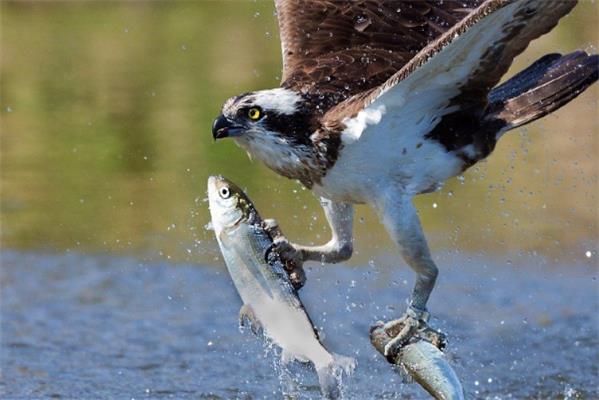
(271, 226)
(288, 252)
(292, 258)
(297, 278)
(435, 337)
(292, 261)
(413, 325)
(409, 328)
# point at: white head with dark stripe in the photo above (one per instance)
(272, 125)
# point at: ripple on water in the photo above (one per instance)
(77, 326)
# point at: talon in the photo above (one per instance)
(408, 329)
(378, 324)
(292, 261)
(291, 257)
(297, 278)
(288, 252)
(412, 326)
(435, 337)
(271, 226)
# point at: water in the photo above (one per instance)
(97, 326)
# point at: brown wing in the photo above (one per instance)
(346, 47)
(458, 70)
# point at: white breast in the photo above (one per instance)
(382, 148)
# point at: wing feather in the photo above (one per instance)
(346, 47)
(462, 66)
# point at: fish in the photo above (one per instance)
(424, 361)
(271, 304)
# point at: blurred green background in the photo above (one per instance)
(106, 110)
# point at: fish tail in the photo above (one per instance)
(330, 375)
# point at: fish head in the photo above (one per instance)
(229, 205)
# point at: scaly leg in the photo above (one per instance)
(401, 220)
(340, 217)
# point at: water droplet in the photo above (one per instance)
(362, 22)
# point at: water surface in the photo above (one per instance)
(101, 327)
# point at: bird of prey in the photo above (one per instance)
(384, 100)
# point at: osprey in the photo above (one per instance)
(383, 100)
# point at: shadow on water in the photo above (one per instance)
(106, 110)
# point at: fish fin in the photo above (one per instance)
(288, 357)
(330, 375)
(247, 318)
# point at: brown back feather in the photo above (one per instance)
(342, 48)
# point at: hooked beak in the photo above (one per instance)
(224, 127)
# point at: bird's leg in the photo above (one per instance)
(340, 217)
(401, 220)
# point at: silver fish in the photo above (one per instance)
(271, 303)
(424, 362)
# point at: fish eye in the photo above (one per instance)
(254, 113)
(224, 192)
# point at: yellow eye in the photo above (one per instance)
(254, 114)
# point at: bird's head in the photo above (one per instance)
(267, 115)
(278, 127)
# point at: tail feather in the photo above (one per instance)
(548, 84)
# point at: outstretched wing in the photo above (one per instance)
(342, 48)
(455, 73)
